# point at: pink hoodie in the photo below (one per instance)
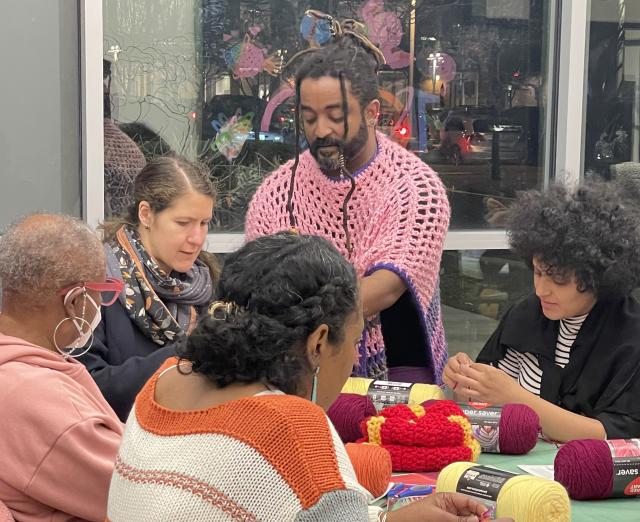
(59, 437)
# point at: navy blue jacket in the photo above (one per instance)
(122, 358)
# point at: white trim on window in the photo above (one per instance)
(92, 111)
(455, 240)
(476, 240)
(224, 243)
(574, 46)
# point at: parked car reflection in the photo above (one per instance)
(468, 133)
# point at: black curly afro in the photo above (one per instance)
(592, 231)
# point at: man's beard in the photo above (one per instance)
(350, 149)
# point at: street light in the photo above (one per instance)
(435, 59)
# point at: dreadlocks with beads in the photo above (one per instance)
(351, 57)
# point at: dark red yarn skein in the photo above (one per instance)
(585, 469)
(519, 429)
(348, 412)
(519, 425)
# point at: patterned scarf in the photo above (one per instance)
(164, 306)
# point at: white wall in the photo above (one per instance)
(39, 108)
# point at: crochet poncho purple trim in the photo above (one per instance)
(398, 218)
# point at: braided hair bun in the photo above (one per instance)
(276, 291)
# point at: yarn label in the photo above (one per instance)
(625, 454)
(389, 393)
(484, 484)
(485, 424)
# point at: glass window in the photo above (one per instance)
(40, 105)
(478, 287)
(612, 136)
(464, 88)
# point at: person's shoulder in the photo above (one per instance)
(294, 419)
(623, 320)
(41, 396)
(405, 159)
(279, 176)
(528, 305)
(272, 187)
(290, 408)
(295, 436)
(523, 320)
(408, 170)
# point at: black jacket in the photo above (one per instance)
(602, 379)
(122, 358)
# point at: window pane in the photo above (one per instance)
(40, 107)
(612, 137)
(464, 88)
(478, 287)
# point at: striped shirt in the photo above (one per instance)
(524, 366)
(269, 457)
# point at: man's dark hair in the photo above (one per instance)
(273, 292)
(345, 58)
(593, 231)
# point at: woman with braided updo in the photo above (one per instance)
(229, 429)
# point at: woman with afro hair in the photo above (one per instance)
(571, 349)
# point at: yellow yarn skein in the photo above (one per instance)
(523, 498)
(418, 394)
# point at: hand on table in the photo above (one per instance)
(441, 507)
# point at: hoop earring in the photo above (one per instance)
(314, 385)
(69, 353)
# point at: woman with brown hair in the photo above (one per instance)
(157, 250)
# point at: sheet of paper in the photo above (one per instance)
(544, 471)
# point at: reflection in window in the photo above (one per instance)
(612, 137)
(478, 287)
(463, 88)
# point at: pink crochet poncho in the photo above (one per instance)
(398, 217)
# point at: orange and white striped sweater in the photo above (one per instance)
(266, 458)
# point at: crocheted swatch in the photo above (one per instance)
(422, 439)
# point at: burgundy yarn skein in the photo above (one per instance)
(519, 428)
(347, 412)
(585, 469)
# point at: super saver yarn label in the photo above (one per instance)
(625, 454)
(485, 424)
(389, 393)
(484, 484)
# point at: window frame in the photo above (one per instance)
(91, 118)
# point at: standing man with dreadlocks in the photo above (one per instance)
(384, 209)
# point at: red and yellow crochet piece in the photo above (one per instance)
(422, 438)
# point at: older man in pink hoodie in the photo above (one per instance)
(60, 437)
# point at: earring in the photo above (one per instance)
(69, 353)
(314, 385)
(147, 226)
